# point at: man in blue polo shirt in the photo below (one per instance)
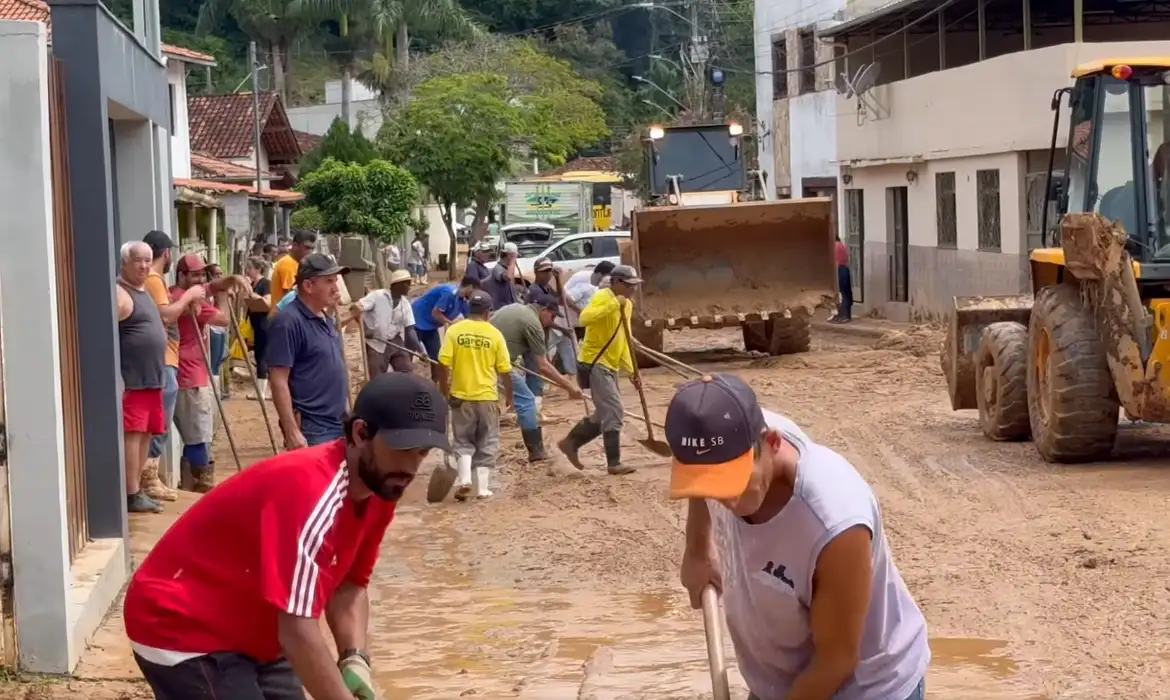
(439, 308)
(306, 362)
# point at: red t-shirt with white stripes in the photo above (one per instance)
(282, 536)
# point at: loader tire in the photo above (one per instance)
(1001, 381)
(1072, 402)
(652, 338)
(778, 336)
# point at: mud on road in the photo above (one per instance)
(1037, 580)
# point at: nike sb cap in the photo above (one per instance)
(713, 425)
(406, 411)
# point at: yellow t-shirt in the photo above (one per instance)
(157, 289)
(477, 354)
(284, 278)
(600, 319)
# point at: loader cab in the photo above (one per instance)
(1118, 154)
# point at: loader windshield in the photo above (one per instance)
(1157, 126)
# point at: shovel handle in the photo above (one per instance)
(711, 625)
(637, 377)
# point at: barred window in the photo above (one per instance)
(944, 201)
(987, 195)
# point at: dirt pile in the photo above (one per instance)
(919, 341)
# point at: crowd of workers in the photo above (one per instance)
(785, 528)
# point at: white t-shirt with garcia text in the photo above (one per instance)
(768, 571)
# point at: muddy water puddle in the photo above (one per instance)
(445, 625)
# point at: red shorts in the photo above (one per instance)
(142, 411)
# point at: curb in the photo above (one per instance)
(851, 329)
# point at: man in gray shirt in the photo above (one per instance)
(793, 535)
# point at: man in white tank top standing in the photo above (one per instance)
(792, 536)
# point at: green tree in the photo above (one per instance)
(275, 25)
(307, 218)
(375, 199)
(455, 136)
(342, 145)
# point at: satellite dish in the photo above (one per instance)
(866, 76)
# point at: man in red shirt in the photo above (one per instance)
(844, 284)
(195, 405)
(295, 536)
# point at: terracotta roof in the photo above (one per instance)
(604, 164)
(37, 11)
(282, 196)
(221, 126)
(212, 168)
(307, 141)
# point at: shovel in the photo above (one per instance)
(443, 476)
(656, 446)
(720, 690)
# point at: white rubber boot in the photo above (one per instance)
(483, 476)
(463, 480)
(262, 384)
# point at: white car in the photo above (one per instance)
(578, 252)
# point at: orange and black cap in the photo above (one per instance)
(713, 426)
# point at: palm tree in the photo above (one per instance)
(273, 24)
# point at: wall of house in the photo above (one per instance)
(937, 273)
(316, 119)
(961, 111)
(250, 162)
(180, 126)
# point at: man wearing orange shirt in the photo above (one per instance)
(160, 247)
(284, 272)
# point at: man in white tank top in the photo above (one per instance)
(793, 537)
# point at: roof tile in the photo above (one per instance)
(206, 166)
(221, 126)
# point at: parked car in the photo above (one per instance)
(578, 252)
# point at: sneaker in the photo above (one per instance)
(141, 503)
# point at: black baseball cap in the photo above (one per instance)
(542, 264)
(624, 273)
(158, 241)
(318, 265)
(713, 425)
(544, 300)
(480, 302)
(406, 411)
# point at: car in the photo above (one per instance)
(579, 252)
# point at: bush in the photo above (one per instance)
(307, 218)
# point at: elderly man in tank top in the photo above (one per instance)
(142, 340)
(793, 536)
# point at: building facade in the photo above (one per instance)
(943, 156)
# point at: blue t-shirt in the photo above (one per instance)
(310, 347)
(445, 298)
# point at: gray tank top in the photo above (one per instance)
(142, 338)
(768, 582)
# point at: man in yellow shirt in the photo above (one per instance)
(473, 361)
(284, 272)
(603, 354)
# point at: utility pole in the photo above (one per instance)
(258, 219)
(698, 59)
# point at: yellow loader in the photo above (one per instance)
(1094, 337)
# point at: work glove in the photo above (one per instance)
(358, 677)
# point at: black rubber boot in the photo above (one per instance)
(585, 431)
(613, 454)
(534, 441)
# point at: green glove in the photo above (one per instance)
(358, 677)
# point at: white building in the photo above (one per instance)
(943, 160)
(365, 108)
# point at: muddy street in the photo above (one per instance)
(1038, 581)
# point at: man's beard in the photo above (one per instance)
(382, 485)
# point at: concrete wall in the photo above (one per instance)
(250, 162)
(960, 111)
(936, 275)
(180, 134)
(316, 119)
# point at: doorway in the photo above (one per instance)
(897, 205)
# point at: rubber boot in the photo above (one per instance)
(204, 478)
(534, 441)
(463, 480)
(153, 486)
(613, 454)
(585, 431)
(483, 476)
(186, 478)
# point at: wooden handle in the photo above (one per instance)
(720, 690)
(638, 377)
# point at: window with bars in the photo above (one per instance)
(944, 204)
(808, 60)
(987, 197)
(779, 68)
(840, 65)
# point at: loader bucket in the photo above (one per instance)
(743, 258)
(972, 315)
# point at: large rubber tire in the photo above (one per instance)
(653, 338)
(1071, 398)
(1001, 381)
(795, 335)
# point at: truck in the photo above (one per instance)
(711, 260)
(567, 206)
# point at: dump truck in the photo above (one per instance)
(712, 261)
(1055, 366)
